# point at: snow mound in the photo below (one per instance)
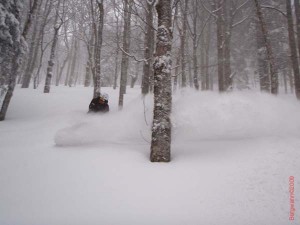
(208, 115)
(195, 116)
(114, 127)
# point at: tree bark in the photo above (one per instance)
(149, 48)
(97, 53)
(182, 44)
(220, 39)
(195, 45)
(135, 76)
(263, 67)
(293, 48)
(267, 43)
(161, 128)
(207, 47)
(297, 12)
(227, 15)
(48, 8)
(33, 50)
(61, 69)
(73, 64)
(175, 82)
(126, 46)
(116, 72)
(16, 58)
(52, 53)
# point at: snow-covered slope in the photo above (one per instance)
(232, 156)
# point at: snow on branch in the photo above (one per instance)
(273, 8)
(240, 22)
(213, 13)
(133, 56)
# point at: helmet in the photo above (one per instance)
(104, 96)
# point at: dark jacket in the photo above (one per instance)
(96, 106)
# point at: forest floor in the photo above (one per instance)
(232, 156)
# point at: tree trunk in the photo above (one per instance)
(297, 12)
(263, 68)
(48, 9)
(16, 57)
(116, 72)
(191, 82)
(182, 44)
(195, 45)
(149, 48)
(73, 64)
(61, 69)
(293, 48)
(220, 39)
(175, 82)
(126, 46)
(161, 128)
(202, 62)
(267, 43)
(227, 50)
(135, 76)
(33, 50)
(207, 47)
(71, 55)
(285, 82)
(97, 53)
(52, 54)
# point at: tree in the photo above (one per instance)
(218, 7)
(297, 13)
(149, 47)
(12, 46)
(161, 127)
(293, 48)
(262, 63)
(56, 28)
(98, 32)
(33, 49)
(269, 51)
(126, 46)
(183, 43)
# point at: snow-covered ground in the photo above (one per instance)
(232, 156)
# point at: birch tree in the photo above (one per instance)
(98, 32)
(57, 25)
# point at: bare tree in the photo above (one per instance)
(56, 28)
(98, 32)
(33, 49)
(297, 12)
(161, 128)
(269, 51)
(183, 43)
(126, 46)
(293, 48)
(149, 48)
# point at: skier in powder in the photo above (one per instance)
(99, 104)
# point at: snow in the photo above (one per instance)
(232, 156)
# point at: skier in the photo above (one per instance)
(99, 104)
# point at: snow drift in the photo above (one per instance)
(195, 116)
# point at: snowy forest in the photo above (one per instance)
(211, 86)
